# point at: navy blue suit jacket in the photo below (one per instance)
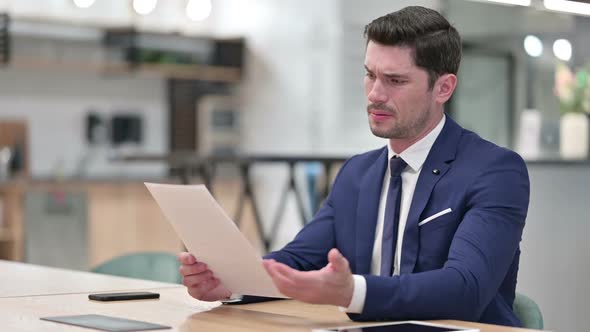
(462, 265)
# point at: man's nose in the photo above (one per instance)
(377, 93)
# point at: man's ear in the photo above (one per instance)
(444, 87)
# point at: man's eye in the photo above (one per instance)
(370, 75)
(396, 81)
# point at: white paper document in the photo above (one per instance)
(213, 238)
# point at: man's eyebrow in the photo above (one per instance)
(396, 75)
(390, 75)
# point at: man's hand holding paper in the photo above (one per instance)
(200, 281)
(224, 262)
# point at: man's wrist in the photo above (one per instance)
(348, 293)
(359, 293)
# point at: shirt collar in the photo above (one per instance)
(416, 154)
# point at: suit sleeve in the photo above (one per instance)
(309, 250)
(480, 254)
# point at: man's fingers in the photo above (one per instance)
(339, 262)
(281, 281)
(278, 269)
(302, 286)
(296, 277)
(288, 283)
(200, 291)
(301, 279)
(186, 258)
(197, 268)
(207, 286)
(195, 279)
(330, 285)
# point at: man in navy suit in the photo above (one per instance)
(427, 227)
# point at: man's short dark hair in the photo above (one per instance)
(435, 43)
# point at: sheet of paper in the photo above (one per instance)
(212, 237)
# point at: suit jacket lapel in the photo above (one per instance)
(441, 154)
(367, 212)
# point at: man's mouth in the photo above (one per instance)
(380, 115)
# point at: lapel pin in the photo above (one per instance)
(435, 171)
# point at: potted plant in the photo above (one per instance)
(573, 92)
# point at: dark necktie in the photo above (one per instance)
(391, 220)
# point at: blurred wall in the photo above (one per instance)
(554, 265)
(55, 106)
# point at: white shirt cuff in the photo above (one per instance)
(359, 293)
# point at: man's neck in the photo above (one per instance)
(400, 145)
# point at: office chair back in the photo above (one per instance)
(528, 312)
(156, 266)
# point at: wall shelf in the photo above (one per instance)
(174, 71)
(59, 47)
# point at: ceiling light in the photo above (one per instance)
(568, 6)
(198, 10)
(562, 49)
(144, 7)
(513, 2)
(83, 3)
(533, 46)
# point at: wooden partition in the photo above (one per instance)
(13, 135)
(122, 218)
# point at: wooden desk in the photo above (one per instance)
(19, 279)
(174, 308)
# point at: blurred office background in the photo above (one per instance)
(97, 96)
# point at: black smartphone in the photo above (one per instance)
(123, 296)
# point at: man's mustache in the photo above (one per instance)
(380, 107)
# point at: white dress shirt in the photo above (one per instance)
(414, 156)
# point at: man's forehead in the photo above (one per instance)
(385, 58)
